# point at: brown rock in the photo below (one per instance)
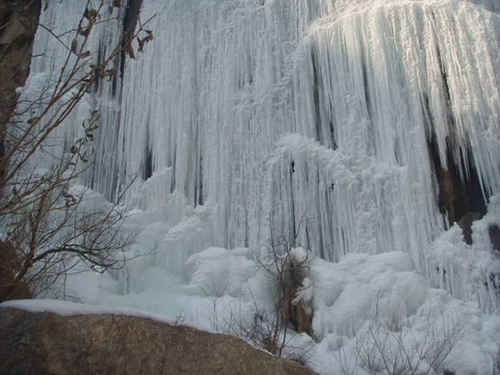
(10, 264)
(46, 343)
(460, 198)
(296, 312)
(18, 24)
(494, 232)
(466, 224)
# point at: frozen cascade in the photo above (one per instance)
(372, 85)
(304, 120)
(364, 130)
(49, 58)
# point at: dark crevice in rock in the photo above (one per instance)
(173, 164)
(322, 251)
(493, 278)
(332, 126)
(129, 24)
(318, 104)
(293, 224)
(460, 196)
(366, 89)
(199, 192)
(333, 140)
(99, 62)
(316, 98)
(148, 164)
(450, 118)
(494, 233)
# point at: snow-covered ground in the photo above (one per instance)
(351, 299)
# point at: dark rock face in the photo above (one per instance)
(10, 264)
(465, 223)
(494, 232)
(18, 24)
(46, 343)
(130, 19)
(461, 199)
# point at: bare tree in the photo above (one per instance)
(47, 226)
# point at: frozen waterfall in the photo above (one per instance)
(324, 123)
(365, 131)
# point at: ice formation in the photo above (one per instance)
(323, 123)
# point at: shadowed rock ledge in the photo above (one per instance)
(18, 23)
(46, 343)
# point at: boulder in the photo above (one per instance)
(47, 343)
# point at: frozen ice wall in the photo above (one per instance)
(370, 84)
(383, 87)
(324, 123)
(52, 61)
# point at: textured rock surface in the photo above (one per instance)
(10, 263)
(46, 343)
(18, 23)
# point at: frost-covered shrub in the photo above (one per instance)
(271, 293)
(378, 349)
(383, 351)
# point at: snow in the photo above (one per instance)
(248, 122)
(349, 298)
(349, 290)
(217, 272)
(65, 308)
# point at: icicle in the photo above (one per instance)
(365, 85)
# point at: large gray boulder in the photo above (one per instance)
(47, 343)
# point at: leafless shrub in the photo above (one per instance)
(380, 349)
(268, 328)
(41, 216)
